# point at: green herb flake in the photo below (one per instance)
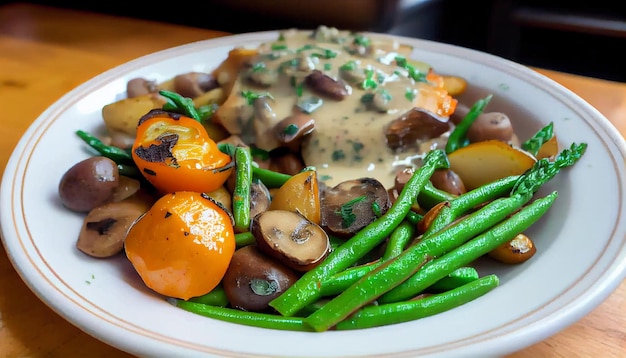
(410, 94)
(338, 155)
(328, 66)
(251, 96)
(278, 47)
(299, 89)
(369, 82)
(357, 146)
(291, 129)
(367, 98)
(361, 40)
(349, 66)
(376, 209)
(346, 211)
(258, 67)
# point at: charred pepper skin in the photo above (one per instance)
(174, 152)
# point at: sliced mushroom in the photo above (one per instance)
(327, 86)
(291, 129)
(126, 187)
(253, 279)
(353, 204)
(291, 238)
(260, 198)
(104, 228)
(89, 183)
(448, 181)
(491, 125)
(414, 126)
(194, 84)
(263, 124)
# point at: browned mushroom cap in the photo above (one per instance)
(104, 228)
(140, 86)
(413, 126)
(287, 163)
(291, 238)
(89, 183)
(260, 198)
(489, 126)
(351, 205)
(194, 84)
(263, 124)
(291, 129)
(327, 86)
(448, 181)
(253, 279)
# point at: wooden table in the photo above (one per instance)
(45, 52)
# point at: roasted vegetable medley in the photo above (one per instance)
(324, 180)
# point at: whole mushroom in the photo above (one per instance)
(89, 183)
(253, 279)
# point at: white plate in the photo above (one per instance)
(581, 242)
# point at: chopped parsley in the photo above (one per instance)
(410, 94)
(338, 155)
(251, 96)
(346, 211)
(361, 40)
(291, 129)
(415, 74)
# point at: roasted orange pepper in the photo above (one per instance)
(175, 153)
(183, 245)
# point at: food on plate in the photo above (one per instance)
(183, 244)
(324, 180)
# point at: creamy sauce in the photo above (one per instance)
(348, 141)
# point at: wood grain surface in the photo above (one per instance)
(45, 52)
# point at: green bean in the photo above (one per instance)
(392, 313)
(398, 240)
(413, 217)
(470, 251)
(241, 192)
(458, 136)
(233, 315)
(270, 178)
(468, 201)
(338, 282)
(179, 104)
(533, 144)
(393, 272)
(454, 279)
(307, 289)
(116, 154)
(244, 239)
(217, 297)
(431, 196)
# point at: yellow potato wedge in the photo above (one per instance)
(122, 116)
(549, 149)
(300, 194)
(483, 162)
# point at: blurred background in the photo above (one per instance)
(584, 38)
